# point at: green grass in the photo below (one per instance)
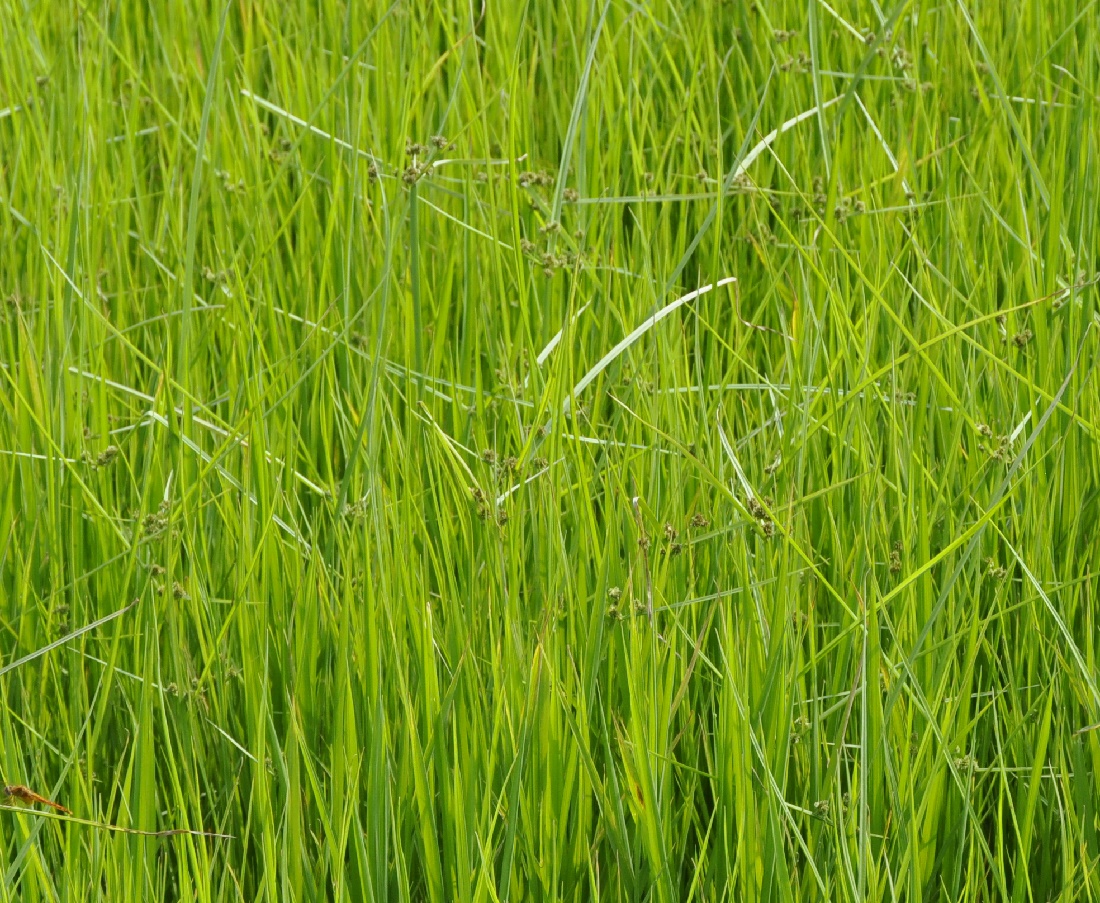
(785, 592)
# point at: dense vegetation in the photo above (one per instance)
(566, 450)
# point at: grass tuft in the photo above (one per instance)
(585, 451)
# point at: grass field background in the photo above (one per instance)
(487, 541)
